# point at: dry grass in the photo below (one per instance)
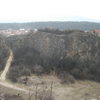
(77, 91)
(87, 90)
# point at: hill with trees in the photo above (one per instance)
(70, 55)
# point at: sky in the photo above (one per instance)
(49, 10)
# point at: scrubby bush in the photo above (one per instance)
(37, 69)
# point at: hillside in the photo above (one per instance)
(3, 52)
(69, 56)
(58, 25)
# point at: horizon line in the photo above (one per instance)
(44, 21)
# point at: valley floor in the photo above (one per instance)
(80, 90)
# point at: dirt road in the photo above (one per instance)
(7, 66)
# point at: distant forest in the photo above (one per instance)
(56, 25)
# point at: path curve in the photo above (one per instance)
(11, 86)
(3, 81)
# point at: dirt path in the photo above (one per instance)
(7, 66)
(3, 81)
(11, 86)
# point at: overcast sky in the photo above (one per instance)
(48, 10)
